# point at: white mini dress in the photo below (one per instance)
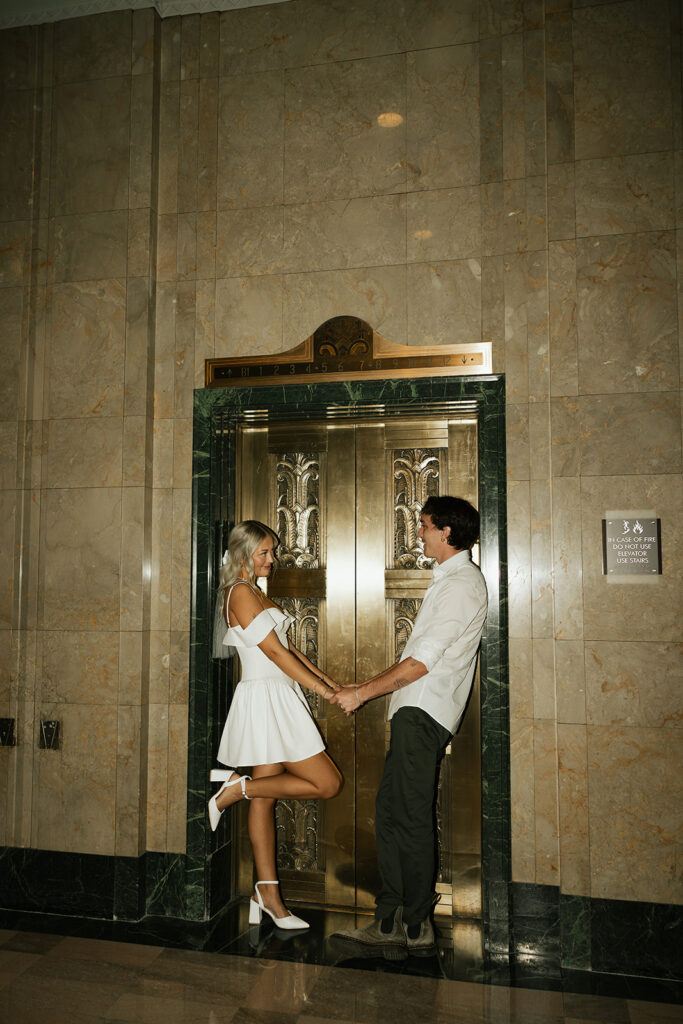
(269, 720)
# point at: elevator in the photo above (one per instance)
(345, 499)
(336, 444)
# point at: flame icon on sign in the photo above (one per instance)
(637, 528)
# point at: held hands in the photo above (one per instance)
(347, 699)
(327, 688)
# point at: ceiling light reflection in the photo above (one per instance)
(390, 119)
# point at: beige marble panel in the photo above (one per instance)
(251, 127)
(171, 37)
(636, 683)
(11, 306)
(30, 504)
(538, 342)
(206, 245)
(259, 39)
(189, 46)
(179, 667)
(182, 452)
(565, 450)
(85, 453)
(521, 679)
(559, 85)
(543, 672)
(622, 434)
(616, 195)
(207, 157)
(204, 328)
(522, 826)
(16, 178)
(250, 242)
(622, 89)
(182, 558)
(490, 108)
(517, 442)
(524, 221)
(248, 315)
(376, 295)
(86, 361)
(143, 138)
(183, 366)
(133, 556)
(617, 611)
(570, 682)
(634, 783)
(539, 440)
(81, 539)
(159, 661)
(561, 202)
(535, 101)
(14, 242)
(162, 517)
(97, 46)
(564, 366)
(444, 224)
(626, 313)
(169, 131)
(443, 136)
(167, 247)
(188, 157)
(91, 146)
(344, 233)
(164, 350)
(143, 27)
(8, 454)
(139, 243)
(573, 810)
(75, 788)
(512, 54)
(334, 145)
(128, 774)
(134, 456)
(8, 512)
(493, 309)
(542, 605)
(17, 56)
(492, 218)
(78, 667)
(516, 329)
(519, 558)
(157, 776)
(567, 564)
(444, 302)
(546, 809)
(209, 45)
(130, 667)
(177, 777)
(137, 343)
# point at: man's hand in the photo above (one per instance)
(346, 699)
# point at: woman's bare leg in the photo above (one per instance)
(314, 778)
(262, 836)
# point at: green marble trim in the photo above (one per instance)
(217, 412)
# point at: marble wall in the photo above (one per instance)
(218, 185)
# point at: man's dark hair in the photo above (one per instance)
(457, 513)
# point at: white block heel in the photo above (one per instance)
(214, 812)
(220, 774)
(257, 910)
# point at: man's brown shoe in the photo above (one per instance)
(372, 941)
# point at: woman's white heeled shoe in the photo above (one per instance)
(214, 812)
(257, 909)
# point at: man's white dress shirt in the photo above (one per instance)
(445, 638)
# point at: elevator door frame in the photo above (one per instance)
(211, 859)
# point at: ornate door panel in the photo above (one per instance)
(345, 499)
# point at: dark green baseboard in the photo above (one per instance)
(566, 932)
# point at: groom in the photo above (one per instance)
(429, 686)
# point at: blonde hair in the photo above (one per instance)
(242, 543)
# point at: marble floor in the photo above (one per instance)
(264, 976)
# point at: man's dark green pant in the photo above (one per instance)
(404, 823)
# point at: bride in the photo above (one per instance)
(269, 725)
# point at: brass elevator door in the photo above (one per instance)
(345, 499)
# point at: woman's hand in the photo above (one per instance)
(327, 689)
(347, 698)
